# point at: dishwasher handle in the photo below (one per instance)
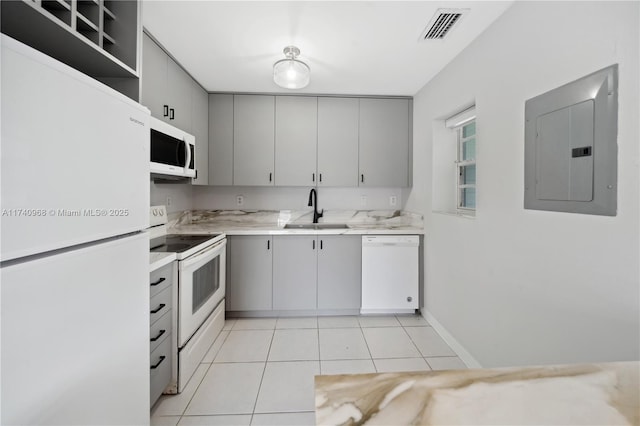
(390, 241)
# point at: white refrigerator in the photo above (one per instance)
(74, 294)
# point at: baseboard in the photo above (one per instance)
(460, 350)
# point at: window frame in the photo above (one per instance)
(461, 164)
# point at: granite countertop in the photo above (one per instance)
(271, 222)
(595, 394)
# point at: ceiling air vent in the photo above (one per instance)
(441, 23)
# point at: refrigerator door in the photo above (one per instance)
(75, 336)
(75, 156)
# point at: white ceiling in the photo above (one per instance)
(352, 47)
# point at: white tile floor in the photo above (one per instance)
(261, 371)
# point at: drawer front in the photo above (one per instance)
(161, 374)
(161, 279)
(160, 330)
(160, 304)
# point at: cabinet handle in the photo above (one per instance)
(153, 339)
(313, 177)
(166, 111)
(314, 244)
(153, 367)
(158, 282)
(362, 178)
(268, 244)
(196, 177)
(158, 309)
(320, 244)
(320, 177)
(270, 176)
(172, 114)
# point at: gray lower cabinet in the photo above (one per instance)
(338, 141)
(384, 142)
(253, 140)
(161, 329)
(296, 135)
(294, 272)
(249, 273)
(220, 139)
(339, 272)
(200, 129)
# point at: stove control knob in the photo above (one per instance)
(155, 212)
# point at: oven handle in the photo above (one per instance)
(210, 252)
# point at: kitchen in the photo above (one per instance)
(504, 286)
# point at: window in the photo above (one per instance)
(466, 166)
(454, 164)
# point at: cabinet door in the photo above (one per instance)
(220, 139)
(296, 140)
(338, 141)
(384, 142)
(154, 78)
(339, 272)
(179, 87)
(253, 140)
(249, 260)
(294, 272)
(200, 129)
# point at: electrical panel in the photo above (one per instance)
(571, 146)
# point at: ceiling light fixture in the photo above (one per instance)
(291, 73)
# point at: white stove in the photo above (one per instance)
(201, 289)
(183, 245)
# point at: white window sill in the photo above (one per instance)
(458, 213)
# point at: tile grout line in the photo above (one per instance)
(414, 345)
(368, 349)
(264, 370)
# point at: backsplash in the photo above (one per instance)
(296, 198)
(180, 195)
(184, 196)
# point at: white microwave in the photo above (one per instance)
(172, 151)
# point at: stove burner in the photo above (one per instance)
(178, 243)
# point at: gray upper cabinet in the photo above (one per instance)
(200, 129)
(220, 139)
(384, 142)
(295, 140)
(154, 77)
(339, 272)
(179, 96)
(165, 87)
(253, 140)
(338, 141)
(249, 273)
(294, 272)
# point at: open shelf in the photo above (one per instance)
(97, 37)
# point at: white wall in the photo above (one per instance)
(517, 286)
(296, 198)
(180, 194)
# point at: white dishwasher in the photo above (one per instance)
(389, 273)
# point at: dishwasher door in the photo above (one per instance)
(389, 274)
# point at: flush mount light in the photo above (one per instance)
(291, 73)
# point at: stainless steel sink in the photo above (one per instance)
(316, 226)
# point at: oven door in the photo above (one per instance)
(201, 287)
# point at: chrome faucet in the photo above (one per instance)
(313, 201)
